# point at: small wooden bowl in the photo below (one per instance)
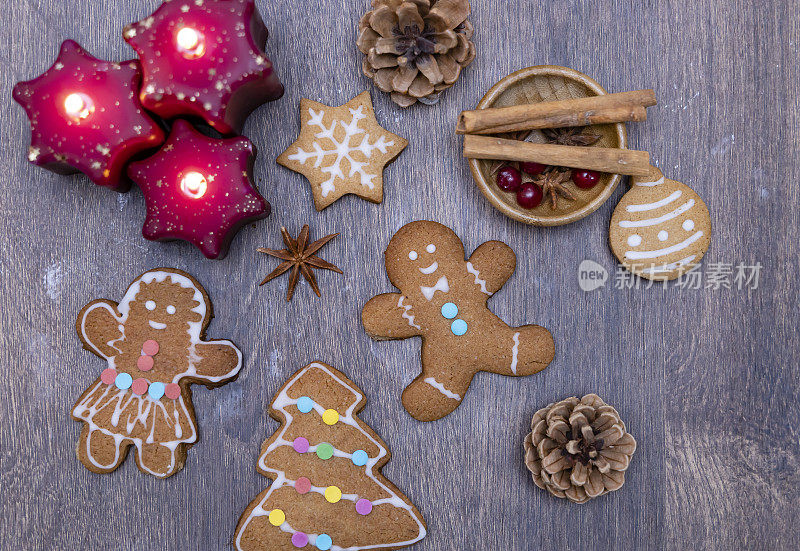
(534, 85)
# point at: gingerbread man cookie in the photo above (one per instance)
(153, 341)
(327, 491)
(661, 228)
(443, 300)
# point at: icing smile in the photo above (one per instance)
(430, 269)
(157, 325)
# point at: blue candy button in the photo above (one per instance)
(360, 458)
(123, 381)
(324, 542)
(449, 310)
(305, 404)
(156, 390)
(458, 327)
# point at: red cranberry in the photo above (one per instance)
(585, 179)
(529, 196)
(534, 169)
(509, 178)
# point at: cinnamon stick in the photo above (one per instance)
(602, 159)
(608, 108)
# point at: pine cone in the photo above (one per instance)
(415, 48)
(578, 449)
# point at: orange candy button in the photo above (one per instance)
(150, 347)
(172, 391)
(145, 363)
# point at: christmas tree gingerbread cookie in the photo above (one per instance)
(661, 228)
(327, 492)
(442, 299)
(153, 341)
(342, 150)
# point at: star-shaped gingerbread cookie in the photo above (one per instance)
(342, 150)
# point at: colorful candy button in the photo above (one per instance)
(305, 404)
(324, 542)
(145, 363)
(363, 506)
(458, 327)
(360, 458)
(299, 539)
(172, 391)
(302, 485)
(300, 444)
(139, 386)
(150, 347)
(330, 417)
(324, 451)
(277, 517)
(109, 375)
(333, 494)
(156, 390)
(123, 381)
(449, 310)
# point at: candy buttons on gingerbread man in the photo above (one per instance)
(443, 299)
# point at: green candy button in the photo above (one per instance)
(324, 451)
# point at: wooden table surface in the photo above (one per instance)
(706, 379)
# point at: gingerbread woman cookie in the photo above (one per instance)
(443, 300)
(153, 341)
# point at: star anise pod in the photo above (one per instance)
(300, 257)
(575, 135)
(552, 183)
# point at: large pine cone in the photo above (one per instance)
(578, 449)
(415, 48)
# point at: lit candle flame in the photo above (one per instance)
(194, 185)
(78, 106)
(190, 43)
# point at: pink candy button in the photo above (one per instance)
(140, 386)
(302, 485)
(145, 363)
(299, 539)
(172, 391)
(150, 347)
(300, 445)
(108, 376)
(363, 506)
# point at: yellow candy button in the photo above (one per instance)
(333, 494)
(277, 517)
(330, 417)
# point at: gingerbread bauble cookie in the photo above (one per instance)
(442, 299)
(661, 228)
(155, 346)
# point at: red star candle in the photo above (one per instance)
(205, 58)
(86, 117)
(199, 189)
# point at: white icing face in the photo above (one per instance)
(413, 255)
(634, 240)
